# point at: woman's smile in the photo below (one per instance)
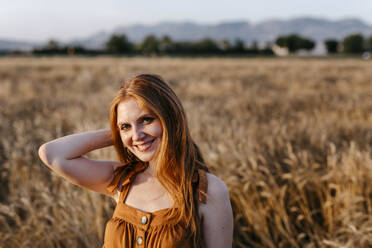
(140, 129)
(144, 146)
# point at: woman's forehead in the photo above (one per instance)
(131, 109)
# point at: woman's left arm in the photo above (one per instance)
(217, 215)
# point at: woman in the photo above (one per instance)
(164, 193)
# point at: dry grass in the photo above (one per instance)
(291, 138)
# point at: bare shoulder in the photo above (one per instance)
(215, 184)
(217, 193)
(217, 214)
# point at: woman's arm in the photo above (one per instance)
(65, 157)
(217, 215)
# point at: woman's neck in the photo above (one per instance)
(151, 170)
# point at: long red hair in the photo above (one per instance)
(178, 156)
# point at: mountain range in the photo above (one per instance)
(317, 29)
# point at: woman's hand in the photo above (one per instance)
(65, 157)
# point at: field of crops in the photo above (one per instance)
(291, 138)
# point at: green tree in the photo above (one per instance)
(369, 43)
(353, 43)
(165, 44)
(225, 45)
(291, 42)
(331, 45)
(207, 46)
(52, 45)
(118, 44)
(254, 46)
(294, 42)
(307, 44)
(150, 45)
(238, 46)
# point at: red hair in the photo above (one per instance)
(178, 156)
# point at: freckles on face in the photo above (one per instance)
(140, 129)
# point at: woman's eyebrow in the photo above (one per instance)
(121, 123)
(145, 115)
(140, 117)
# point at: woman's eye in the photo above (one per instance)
(124, 127)
(147, 120)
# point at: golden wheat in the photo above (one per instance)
(290, 137)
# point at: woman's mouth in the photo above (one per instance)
(145, 146)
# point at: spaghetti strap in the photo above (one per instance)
(124, 193)
(203, 186)
(131, 227)
(124, 175)
(200, 178)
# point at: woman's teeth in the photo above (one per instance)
(144, 147)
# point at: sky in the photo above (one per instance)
(41, 20)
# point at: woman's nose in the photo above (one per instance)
(138, 134)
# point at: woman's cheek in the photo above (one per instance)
(124, 139)
(158, 129)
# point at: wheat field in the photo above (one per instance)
(291, 138)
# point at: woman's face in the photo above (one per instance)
(140, 130)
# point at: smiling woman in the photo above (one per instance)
(165, 195)
(140, 130)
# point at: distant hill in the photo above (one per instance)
(267, 31)
(264, 32)
(16, 45)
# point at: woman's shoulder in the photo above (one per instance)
(217, 194)
(217, 213)
(217, 189)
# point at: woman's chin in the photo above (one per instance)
(145, 157)
(148, 154)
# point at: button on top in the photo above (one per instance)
(143, 220)
(139, 240)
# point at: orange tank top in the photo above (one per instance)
(131, 227)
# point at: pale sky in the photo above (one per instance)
(40, 20)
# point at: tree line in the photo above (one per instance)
(151, 45)
(351, 44)
(119, 44)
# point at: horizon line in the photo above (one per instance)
(190, 21)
